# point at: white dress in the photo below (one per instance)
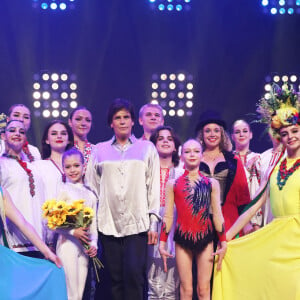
(16, 181)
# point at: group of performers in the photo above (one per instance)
(160, 206)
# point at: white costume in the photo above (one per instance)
(16, 181)
(161, 284)
(252, 167)
(33, 150)
(69, 249)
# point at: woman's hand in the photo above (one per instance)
(82, 235)
(164, 254)
(55, 259)
(92, 251)
(221, 251)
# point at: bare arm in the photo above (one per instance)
(16, 217)
(216, 205)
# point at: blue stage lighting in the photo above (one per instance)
(161, 7)
(44, 5)
(281, 6)
(55, 4)
(170, 5)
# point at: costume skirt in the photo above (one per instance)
(264, 265)
(24, 278)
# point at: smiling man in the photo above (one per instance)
(124, 171)
(150, 117)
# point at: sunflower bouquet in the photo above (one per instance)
(60, 214)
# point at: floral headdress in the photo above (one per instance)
(3, 120)
(280, 109)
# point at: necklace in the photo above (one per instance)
(212, 157)
(63, 175)
(243, 157)
(23, 164)
(284, 174)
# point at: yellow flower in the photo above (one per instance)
(74, 208)
(276, 123)
(48, 207)
(60, 206)
(88, 212)
(285, 113)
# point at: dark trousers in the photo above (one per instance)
(125, 259)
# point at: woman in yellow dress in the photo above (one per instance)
(266, 264)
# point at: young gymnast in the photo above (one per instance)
(70, 249)
(194, 196)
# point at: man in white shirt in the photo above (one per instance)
(125, 173)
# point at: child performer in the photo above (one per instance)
(69, 245)
(194, 195)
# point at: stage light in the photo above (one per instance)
(292, 80)
(54, 5)
(281, 7)
(173, 92)
(54, 93)
(170, 5)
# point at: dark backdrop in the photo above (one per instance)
(114, 46)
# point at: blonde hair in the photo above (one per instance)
(225, 143)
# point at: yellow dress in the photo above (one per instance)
(265, 265)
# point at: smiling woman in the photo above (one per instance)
(270, 258)
(220, 163)
(81, 121)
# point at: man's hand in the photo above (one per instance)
(152, 237)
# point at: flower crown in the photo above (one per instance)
(280, 109)
(3, 120)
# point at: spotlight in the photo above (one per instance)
(170, 5)
(281, 7)
(173, 92)
(53, 93)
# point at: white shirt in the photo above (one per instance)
(70, 192)
(15, 180)
(126, 179)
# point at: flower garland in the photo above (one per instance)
(27, 152)
(23, 164)
(86, 151)
(163, 183)
(284, 174)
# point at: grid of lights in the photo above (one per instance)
(170, 5)
(53, 4)
(54, 94)
(291, 79)
(281, 7)
(174, 93)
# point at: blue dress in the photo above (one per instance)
(29, 278)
